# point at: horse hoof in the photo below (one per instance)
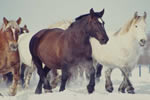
(12, 94)
(38, 91)
(61, 89)
(121, 90)
(131, 91)
(47, 91)
(98, 75)
(90, 89)
(109, 89)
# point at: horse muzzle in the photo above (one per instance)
(13, 46)
(142, 42)
(104, 40)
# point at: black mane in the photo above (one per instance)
(96, 15)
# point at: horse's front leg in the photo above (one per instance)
(108, 84)
(126, 84)
(99, 68)
(91, 72)
(123, 86)
(16, 77)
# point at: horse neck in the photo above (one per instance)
(77, 33)
(3, 39)
(129, 40)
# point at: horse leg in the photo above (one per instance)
(16, 77)
(98, 70)
(64, 77)
(54, 78)
(91, 71)
(126, 84)
(123, 86)
(23, 68)
(42, 75)
(28, 73)
(40, 72)
(8, 77)
(108, 84)
(47, 87)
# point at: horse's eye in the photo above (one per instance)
(103, 23)
(136, 26)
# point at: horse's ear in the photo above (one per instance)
(145, 15)
(26, 29)
(135, 14)
(5, 21)
(25, 26)
(101, 13)
(18, 21)
(92, 13)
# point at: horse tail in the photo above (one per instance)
(33, 47)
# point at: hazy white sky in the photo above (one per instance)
(39, 14)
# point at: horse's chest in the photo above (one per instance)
(5, 65)
(7, 61)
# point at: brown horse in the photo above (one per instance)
(9, 59)
(9, 77)
(67, 49)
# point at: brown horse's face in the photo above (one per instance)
(97, 27)
(12, 31)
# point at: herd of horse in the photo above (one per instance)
(83, 44)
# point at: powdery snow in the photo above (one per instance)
(78, 91)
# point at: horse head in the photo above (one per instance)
(24, 29)
(139, 28)
(11, 31)
(96, 26)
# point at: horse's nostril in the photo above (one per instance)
(103, 40)
(143, 41)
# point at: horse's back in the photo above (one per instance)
(44, 45)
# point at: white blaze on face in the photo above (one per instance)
(100, 20)
(13, 30)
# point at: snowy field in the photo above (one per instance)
(78, 91)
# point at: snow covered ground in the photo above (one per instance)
(78, 91)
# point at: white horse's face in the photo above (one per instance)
(140, 30)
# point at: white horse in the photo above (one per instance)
(25, 57)
(122, 51)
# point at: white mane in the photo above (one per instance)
(61, 24)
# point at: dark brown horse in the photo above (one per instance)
(9, 59)
(66, 49)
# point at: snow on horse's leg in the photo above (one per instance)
(28, 73)
(126, 82)
(108, 84)
(123, 86)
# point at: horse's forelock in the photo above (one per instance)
(10, 24)
(128, 25)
